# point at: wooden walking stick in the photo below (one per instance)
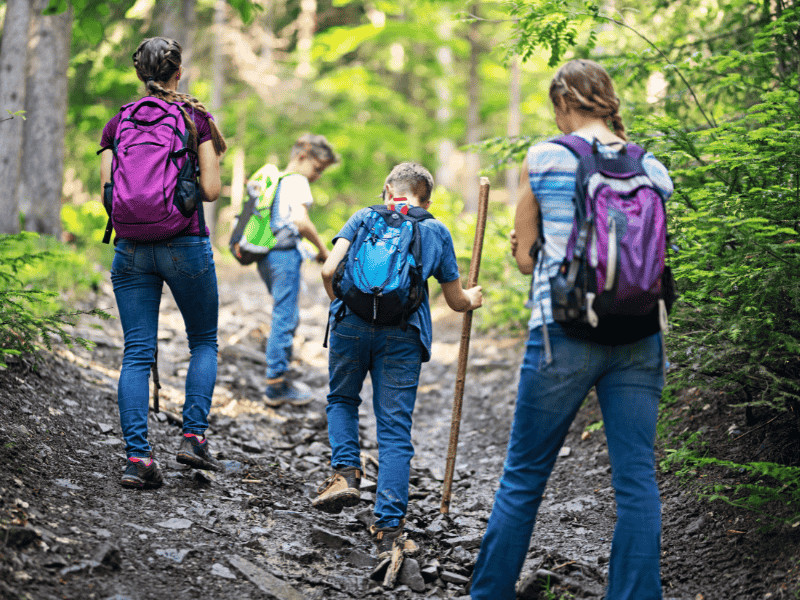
(463, 351)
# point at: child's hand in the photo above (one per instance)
(475, 296)
(512, 237)
(322, 255)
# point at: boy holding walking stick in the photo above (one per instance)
(380, 323)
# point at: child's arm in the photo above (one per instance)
(308, 231)
(526, 225)
(329, 268)
(459, 299)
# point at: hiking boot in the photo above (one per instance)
(194, 452)
(386, 537)
(141, 474)
(339, 490)
(280, 391)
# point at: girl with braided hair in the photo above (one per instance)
(185, 262)
(559, 370)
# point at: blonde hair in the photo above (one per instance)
(316, 146)
(156, 60)
(584, 85)
(411, 178)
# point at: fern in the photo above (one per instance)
(31, 316)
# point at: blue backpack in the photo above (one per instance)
(380, 277)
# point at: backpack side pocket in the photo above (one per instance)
(185, 199)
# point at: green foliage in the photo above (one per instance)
(767, 488)
(33, 270)
(85, 222)
(735, 218)
(549, 24)
(503, 284)
(735, 213)
(11, 115)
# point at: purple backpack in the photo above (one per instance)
(153, 191)
(613, 280)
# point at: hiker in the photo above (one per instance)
(280, 266)
(160, 242)
(559, 369)
(392, 352)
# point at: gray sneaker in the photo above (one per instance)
(141, 474)
(285, 392)
(195, 453)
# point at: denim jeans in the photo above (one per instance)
(280, 270)
(628, 380)
(138, 274)
(392, 357)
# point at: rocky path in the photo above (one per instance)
(70, 531)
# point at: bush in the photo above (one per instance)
(33, 272)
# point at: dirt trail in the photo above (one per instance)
(70, 531)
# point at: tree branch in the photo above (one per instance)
(709, 120)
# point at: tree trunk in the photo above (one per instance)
(473, 116)
(13, 61)
(514, 126)
(217, 85)
(42, 171)
(445, 173)
(179, 21)
(306, 24)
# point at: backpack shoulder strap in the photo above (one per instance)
(419, 214)
(577, 145)
(635, 151)
(382, 210)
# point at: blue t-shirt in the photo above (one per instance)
(438, 260)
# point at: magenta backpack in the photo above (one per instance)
(614, 286)
(153, 191)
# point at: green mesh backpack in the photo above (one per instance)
(251, 231)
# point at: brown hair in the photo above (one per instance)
(316, 146)
(584, 85)
(156, 60)
(411, 177)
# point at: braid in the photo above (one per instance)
(216, 135)
(618, 126)
(156, 60)
(584, 85)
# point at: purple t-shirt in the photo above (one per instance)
(203, 135)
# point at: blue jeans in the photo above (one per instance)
(280, 270)
(138, 274)
(392, 357)
(628, 380)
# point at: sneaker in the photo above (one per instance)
(194, 452)
(281, 392)
(386, 537)
(339, 490)
(142, 474)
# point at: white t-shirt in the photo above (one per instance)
(293, 193)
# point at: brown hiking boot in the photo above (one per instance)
(386, 537)
(339, 490)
